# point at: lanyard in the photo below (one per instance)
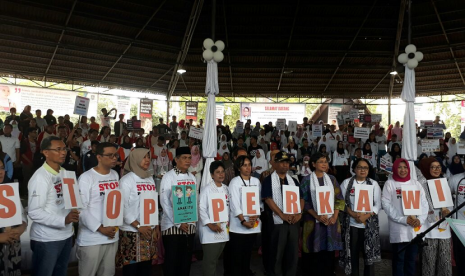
(244, 181)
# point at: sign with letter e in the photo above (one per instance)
(250, 201)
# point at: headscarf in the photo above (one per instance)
(446, 148)
(133, 161)
(395, 170)
(260, 162)
(340, 150)
(394, 154)
(456, 168)
(163, 160)
(221, 151)
(425, 167)
(220, 140)
(195, 157)
(227, 163)
(181, 124)
(365, 151)
(452, 147)
(125, 145)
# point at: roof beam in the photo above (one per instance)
(448, 43)
(159, 78)
(135, 38)
(59, 39)
(288, 44)
(350, 46)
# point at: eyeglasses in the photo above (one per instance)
(435, 167)
(362, 168)
(58, 150)
(111, 155)
(322, 162)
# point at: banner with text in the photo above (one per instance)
(270, 112)
(146, 106)
(124, 106)
(191, 110)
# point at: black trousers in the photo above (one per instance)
(241, 252)
(178, 254)
(284, 247)
(318, 264)
(357, 238)
(138, 269)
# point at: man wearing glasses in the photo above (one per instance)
(97, 245)
(52, 225)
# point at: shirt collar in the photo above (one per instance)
(50, 169)
(177, 171)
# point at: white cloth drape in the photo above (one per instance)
(209, 142)
(409, 140)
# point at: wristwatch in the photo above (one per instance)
(242, 222)
(138, 226)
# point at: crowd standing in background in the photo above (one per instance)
(33, 150)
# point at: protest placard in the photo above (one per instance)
(440, 193)
(429, 145)
(71, 193)
(218, 208)
(250, 201)
(363, 198)
(184, 203)
(325, 200)
(196, 133)
(361, 132)
(10, 205)
(460, 148)
(281, 124)
(317, 130)
(113, 208)
(434, 132)
(385, 164)
(81, 106)
(376, 118)
(411, 200)
(240, 127)
(426, 123)
(291, 199)
(148, 207)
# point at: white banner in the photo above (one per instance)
(325, 200)
(430, 145)
(148, 207)
(363, 198)
(113, 208)
(250, 201)
(266, 112)
(440, 193)
(411, 200)
(362, 132)
(218, 208)
(196, 133)
(71, 192)
(291, 199)
(10, 205)
(124, 106)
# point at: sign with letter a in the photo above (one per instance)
(113, 208)
(250, 201)
(10, 205)
(411, 200)
(363, 198)
(71, 192)
(325, 200)
(440, 193)
(148, 208)
(291, 200)
(218, 208)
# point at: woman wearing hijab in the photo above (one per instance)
(291, 148)
(196, 165)
(360, 231)
(397, 130)
(321, 233)
(402, 228)
(455, 166)
(226, 159)
(259, 163)
(369, 155)
(452, 148)
(322, 150)
(341, 162)
(305, 171)
(10, 244)
(223, 146)
(137, 245)
(125, 148)
(436, 257)
(161, 167)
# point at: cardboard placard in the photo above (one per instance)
(113, 208)
(240, 127)
(71, 192)
(434, 132)
(317, 130)
(411, 200)
(376, 118)
(325, 200)
(385, 164)
(250, 201)
(291, 200)
(360, 106)
(81, 106)
(430, 145)
(218, 210)
(340, 120)
(460, 148)
(362, 132)
(196, 133)
(184, 203)
(426, 123)
(10, 205)
(281, 124)
(292, 126)
(363, 198)
(148, 207)
(353, 114)
(440, 193)
(133, 124)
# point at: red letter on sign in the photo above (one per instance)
(363, 201)
(411, 199)
(7, 202)
(439, 190)
(72, 194)
(250, 203)
(218, 207)
(291, 202)
(325, 207)
(149, 208)
(114, 199)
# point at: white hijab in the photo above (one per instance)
(221, 151)
(260, 162)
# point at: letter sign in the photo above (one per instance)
(440, 193)
(10, 205)
(325, 200)
(218, 208)
(411, 200)
(113, 208)
(148, 208)
(291, 200)
(363, 198)
(250, 201)
(71, 192)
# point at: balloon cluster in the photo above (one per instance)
(213, 50)
(411, 57)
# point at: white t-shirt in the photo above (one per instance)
(93, 186)
(132, 187)
(9, 146)
(235, 190)
(41, 123)
(86, 147)
(376, 198)
(104, 121)
(381, 142)
(340, 159)
(46, 207)
(206, 235)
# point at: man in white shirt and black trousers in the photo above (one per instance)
(178, 239)
(97, 245)
(284, 237)
(52, 225)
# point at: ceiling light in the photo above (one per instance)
(181, 70)
(393, 73)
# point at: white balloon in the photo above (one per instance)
(218, 56)
(207, 55)
(419, 56)
(410, 49)
(412, 63)
(208, 43)
(402, 58)
(220, 45)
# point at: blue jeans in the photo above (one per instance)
(403, 264)
(51, 258)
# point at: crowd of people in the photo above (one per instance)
(34, 150)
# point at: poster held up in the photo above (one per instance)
(71, 192)
(291, 199)
(148, 208)
(113, 208)
(218, 208)
(325, 200)
(250, 201)
(10, 205)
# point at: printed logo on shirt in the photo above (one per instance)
(58, 188)
(399, 193)
(107, 185)
(145, 187)
(186, 183)
(352, 192)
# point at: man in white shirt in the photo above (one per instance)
(86, 145)
(10, 144)
(52, 225)
(97, 245)
(41, 123)
(105, 117)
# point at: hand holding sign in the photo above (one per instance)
(325, 200)
(440, 193)
(363, 198)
